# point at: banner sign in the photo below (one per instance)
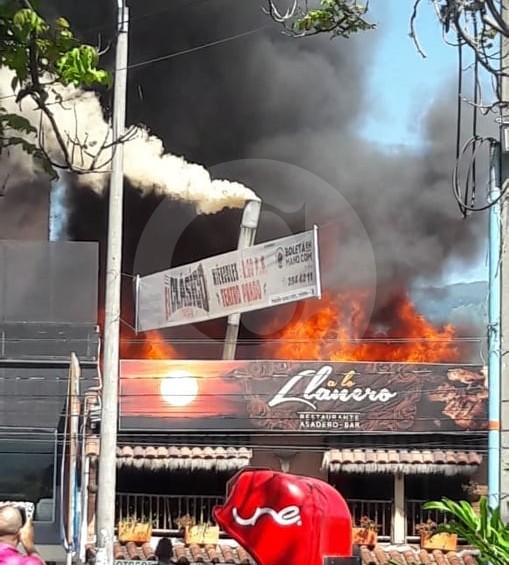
(307, 396)
(272, 273)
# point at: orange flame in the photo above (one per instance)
(336, 332)
(148, 346)
(154, 347)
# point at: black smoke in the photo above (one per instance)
(265, 96)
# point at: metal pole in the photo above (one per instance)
(248, 227)
(85, 473)
(73, 413)
(504, 267)
(107, 457)
(494, 343)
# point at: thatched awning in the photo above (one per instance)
(174, 458)
(408, 462)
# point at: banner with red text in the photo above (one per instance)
(301, 396)
(268, 274)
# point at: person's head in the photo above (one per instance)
(164, 550)
(11, 522)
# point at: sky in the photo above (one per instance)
(419, 81)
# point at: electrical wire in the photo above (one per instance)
(458, 118)
(473, 168)
(456, 189)
(465, 197)
(158, 12)
(168, 56)
(197, 48)
(183, 341)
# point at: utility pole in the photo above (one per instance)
(504, 267)
(494, 329)
(107, 457)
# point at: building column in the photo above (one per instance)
(285, 459)
(398, 510)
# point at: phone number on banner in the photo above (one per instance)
(300, 279)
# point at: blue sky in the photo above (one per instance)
(419, 80)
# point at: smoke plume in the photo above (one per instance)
(265, 96)
(88, 140)
(298, 101)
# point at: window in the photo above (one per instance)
(27, 469)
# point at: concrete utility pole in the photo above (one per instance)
(504, 266)
(107, 457)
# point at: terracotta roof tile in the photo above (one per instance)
(408, 555)
(404, 461)
(227, 552)
(222, 553)
(177, 457)
(173, 457)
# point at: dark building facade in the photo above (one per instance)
(48, 311)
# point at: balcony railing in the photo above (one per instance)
(380, 511)
(415, 515)
(165, 510)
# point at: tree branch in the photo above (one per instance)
(412, 34)
(39, 95)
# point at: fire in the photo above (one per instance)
(148, 346)
(155, 347)
(340, 331)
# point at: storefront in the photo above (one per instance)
(388, 436)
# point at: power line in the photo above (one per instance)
(168, 56)
(197, 48)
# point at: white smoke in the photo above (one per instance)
(88, 138)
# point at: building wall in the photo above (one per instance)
(286, 453)
(24, 210)
(48, 310)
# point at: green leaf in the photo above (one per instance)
(34, 49)
(78, 66)
(18, 123)
(485, 530)
(26, 23)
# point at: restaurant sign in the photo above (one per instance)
(302, 396)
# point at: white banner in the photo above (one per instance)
(268, 274)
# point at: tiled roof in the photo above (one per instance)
(407, 555)
(221, 553)
(173, 458)
(226, 552)
(409, 462)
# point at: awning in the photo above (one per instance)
(174, 458)
(408, 462)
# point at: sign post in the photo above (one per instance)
(248, 227)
